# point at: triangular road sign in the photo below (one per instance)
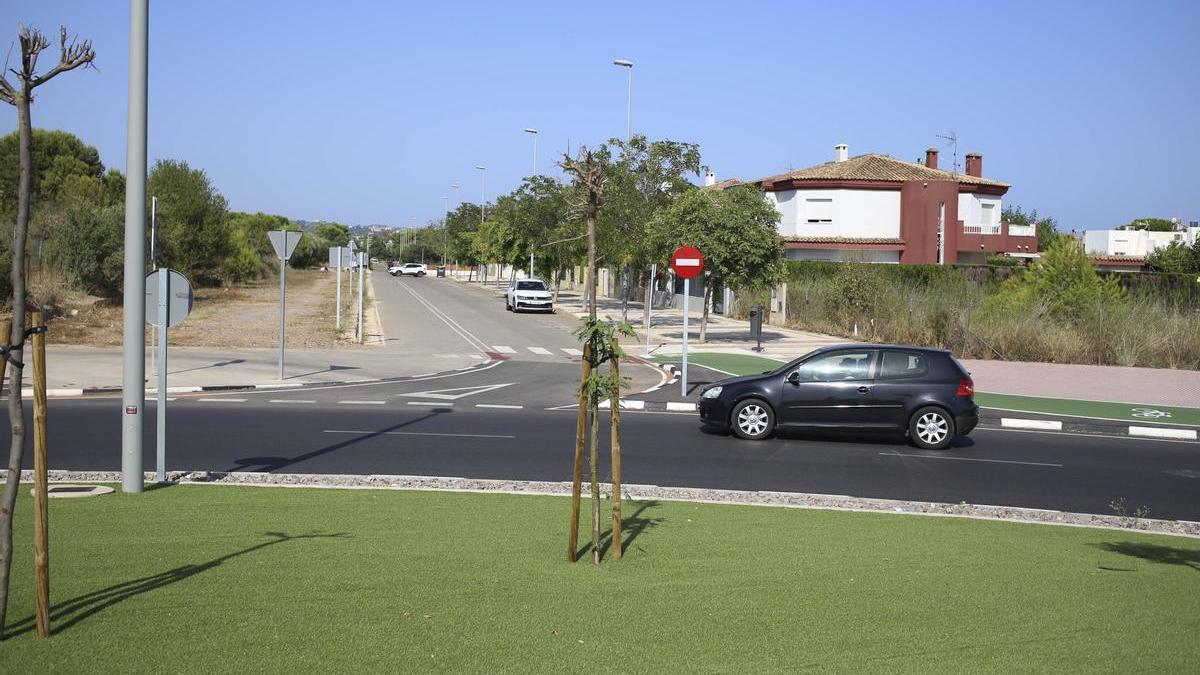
(457, 392)
(284, 242)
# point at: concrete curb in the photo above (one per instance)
(798, 500)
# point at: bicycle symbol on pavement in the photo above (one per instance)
(1150, 413)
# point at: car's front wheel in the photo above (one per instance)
(931, 428)
(752, 419)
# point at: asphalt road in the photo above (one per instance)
(509, 417)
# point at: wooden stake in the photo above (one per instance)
(41, 542)
(577, 484)
(616, 452)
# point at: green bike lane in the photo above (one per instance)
(1132, 413)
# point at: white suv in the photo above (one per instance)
(415, 269)
(528, 294)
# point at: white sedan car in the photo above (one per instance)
(415, 269)
(528, 294)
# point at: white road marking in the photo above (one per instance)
(1013, 423)
(504, 349)
(499, 405)
(970, 459)
(681, 407)
(439, 404)
(221, 400)
(457, 392)
(290, 400)
(1156, 432)
(415, 433)
(571, 351)
(362, 402)
(445, 356)
(540, 350)
(625, 405)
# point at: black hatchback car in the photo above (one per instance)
(923, 392)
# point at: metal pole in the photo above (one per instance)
(535, 153)
(650, 303)
(282, 305)
(361, 256)
(687, 292)
(153, 266)
(338, 271)
(531, 262)
(133, 351)
(164, 294)
(629, 107)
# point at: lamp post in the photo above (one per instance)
(482, 191)
(445, 228)
(534, 132)
(628, 97)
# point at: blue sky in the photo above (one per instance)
(366, 112)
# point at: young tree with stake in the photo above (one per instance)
(72, 54)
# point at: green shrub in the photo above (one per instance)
(89, 245)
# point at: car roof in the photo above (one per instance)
(529, 279)
(859, 345)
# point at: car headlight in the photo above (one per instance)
(711, 392)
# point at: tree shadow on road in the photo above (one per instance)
(67, 613)
(269, 464)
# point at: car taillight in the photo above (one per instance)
(965, 387)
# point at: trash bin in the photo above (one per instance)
(756, 320)
(441, 271)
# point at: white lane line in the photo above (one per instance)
(445, 356)
(1014, 423)
(415, 433)
(465, 334)
(504, 349)
(291, 400)
(970, 459)
(499, 406)
(625, 405)
(221, 400)
(1157, 432)
(681, 407)
(571, 351)
(542, 351)
(440, 404)
(362, 402)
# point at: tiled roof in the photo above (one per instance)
(843, 240)
(1119, 259)
(724, 185)
(873, 167)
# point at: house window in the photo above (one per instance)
(818, 210)
(988, 214)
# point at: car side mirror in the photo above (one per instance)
(794, 377)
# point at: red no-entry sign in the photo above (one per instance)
(688, 262)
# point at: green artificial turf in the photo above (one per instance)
(228, 579)
(734, 364)
(1126, 412)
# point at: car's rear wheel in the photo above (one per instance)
(931, 428)
(752, 419)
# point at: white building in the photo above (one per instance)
(1135, 243)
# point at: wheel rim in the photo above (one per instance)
(932, 428)
(753, 419)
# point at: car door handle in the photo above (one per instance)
(864, 390)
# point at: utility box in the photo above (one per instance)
(441, 271)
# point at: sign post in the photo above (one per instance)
(168, 302)
(284, 242)
(361, 262)
(688, 263)
(339, 259)
(650, 303)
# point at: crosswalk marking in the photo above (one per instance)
(571, 351)
(540, 350)
(504, 349)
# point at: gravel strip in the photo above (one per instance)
(646, 492)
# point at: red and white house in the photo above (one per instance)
(876, 208)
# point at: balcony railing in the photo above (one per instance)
(1022, 230)
(981, 229)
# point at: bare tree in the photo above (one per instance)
(72, 54)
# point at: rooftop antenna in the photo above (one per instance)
(952, 141)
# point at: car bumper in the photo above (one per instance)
(966, 419)
(545, 305)
(713, 411)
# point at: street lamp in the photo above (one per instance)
(628, 97)
(534, 132)
(445, 228)
(482, 191)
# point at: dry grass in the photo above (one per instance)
(245, 315)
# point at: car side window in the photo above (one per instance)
(896, 365)
(837, 367)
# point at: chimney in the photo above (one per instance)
(931, 158)
(975, 164)
(841, 152)
(710, 178)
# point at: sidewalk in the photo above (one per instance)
(1110, 384)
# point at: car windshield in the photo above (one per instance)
(530, 286)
